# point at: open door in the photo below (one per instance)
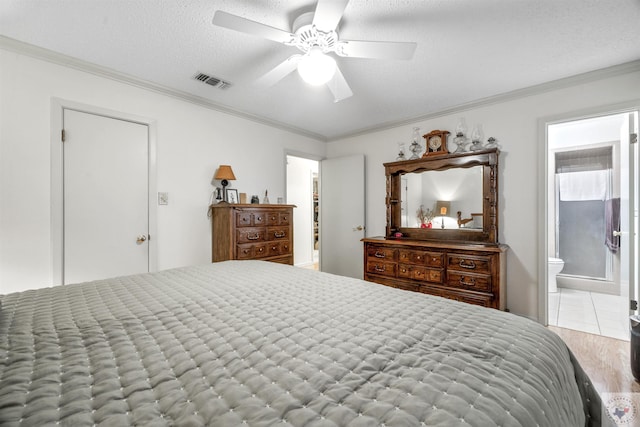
(342, 217)
(629, 208)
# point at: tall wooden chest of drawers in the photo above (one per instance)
(473, 273)
(252, 232)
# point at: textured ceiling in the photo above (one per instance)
(467, 50)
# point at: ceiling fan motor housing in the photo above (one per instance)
(308, 35)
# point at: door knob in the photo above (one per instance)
(617, 233)
(358, 228)
(141, 239)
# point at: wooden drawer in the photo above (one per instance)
(380, 253)
(273, 218)
(283, 260)
(411, 257)
(252, 250)
(278, 248)
(430, 259)
(434, 259)
(278, 233)
(474, 263)
(249, 235)
(381, 267)
(284, 218)
(420, 273)
(243, 219)
(250, 219)
(408, 286)
(484, 300)
(470, 281)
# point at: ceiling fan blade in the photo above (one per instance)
(339, 87)
(328, 14)
(376, 50)
(279, 72)
(237, 23)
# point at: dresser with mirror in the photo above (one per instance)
(441, 235)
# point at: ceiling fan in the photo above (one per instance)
(314, 34)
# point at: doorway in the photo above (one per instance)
(302, 191)
(589, 238)
(103, 176)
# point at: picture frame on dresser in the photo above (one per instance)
(232, 195)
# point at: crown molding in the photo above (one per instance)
(78, 64)
(68, 61)
(615, 70)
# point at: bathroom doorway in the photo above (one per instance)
(589, 222)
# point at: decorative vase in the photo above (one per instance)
(423, 225)
(415, 147)
(429, 224)
(401, 150)
(477, 135)
(461, 136)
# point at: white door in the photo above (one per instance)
(342, 215)
(629, 206)
(105, 197)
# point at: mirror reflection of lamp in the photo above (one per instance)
(442, 208)
(224, 174)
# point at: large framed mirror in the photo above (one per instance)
(451, 197)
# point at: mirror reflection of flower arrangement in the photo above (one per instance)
(425, 217)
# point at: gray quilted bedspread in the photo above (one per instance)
(261, 344)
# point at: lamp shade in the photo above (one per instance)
(442, 207)
(316, 68)
(224, 172)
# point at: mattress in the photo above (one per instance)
(261, 344)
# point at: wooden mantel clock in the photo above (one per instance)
(436, 142)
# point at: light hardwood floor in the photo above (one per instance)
(606, 360)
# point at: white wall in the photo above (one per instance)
(191, 142)
(515, 124)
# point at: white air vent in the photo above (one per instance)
(212, 81)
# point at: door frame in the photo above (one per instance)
(543, 173)
(307, 156)
(58, 106)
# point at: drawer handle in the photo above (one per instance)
(467, 264)
(279, 234)
(259, 218)
(260, 249)
(379, 254)
(380, 269)
(273, 248)
(465, 283)
(434, 259)
(253, 236)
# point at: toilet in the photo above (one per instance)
(555, 266)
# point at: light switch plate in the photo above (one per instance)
(163, 198)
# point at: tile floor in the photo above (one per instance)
(591, 312)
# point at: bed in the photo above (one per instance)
(261, 344)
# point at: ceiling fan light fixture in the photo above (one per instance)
(316, 68)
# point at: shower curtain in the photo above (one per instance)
(581, 222)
